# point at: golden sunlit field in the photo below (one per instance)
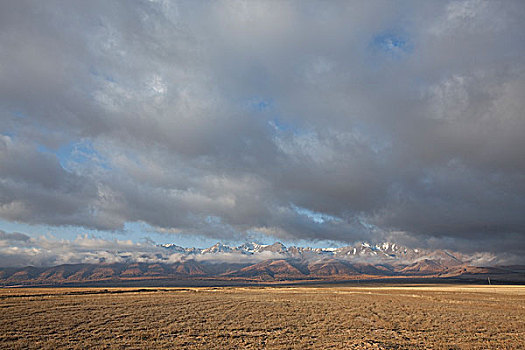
(397, 317)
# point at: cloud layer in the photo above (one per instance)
(21, 250)
(18, 249)
(301, 120)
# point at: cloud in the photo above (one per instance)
(394, 118)
(14, 236)
(18, 249)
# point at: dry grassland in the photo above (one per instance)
(435, 317)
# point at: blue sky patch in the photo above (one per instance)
(392, 44)
(259, 104)
(18, 114)
(79, 152)
(317, 217)
(280, 125)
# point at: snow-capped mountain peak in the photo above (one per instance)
(386, 251)
(217, 248)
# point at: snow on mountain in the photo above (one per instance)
(174, 247)
(386, 252)
(251, 248)
(253, 263)
(277, 247)
(217, 248)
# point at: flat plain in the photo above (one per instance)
(314, 317)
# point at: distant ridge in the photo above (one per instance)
(387, 252)
(253, 263)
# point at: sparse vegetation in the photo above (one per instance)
(440, 317)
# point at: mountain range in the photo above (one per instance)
(275, 263)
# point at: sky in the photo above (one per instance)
(307, 122)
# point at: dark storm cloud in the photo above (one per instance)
(398, 120)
